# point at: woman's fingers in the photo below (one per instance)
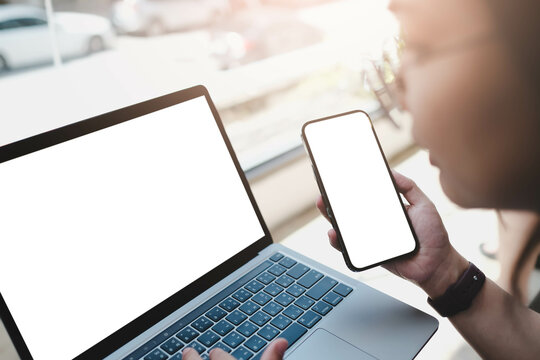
(322, 207)
(190, 354)
(332, 236)
(218, 354)
(410, 190)
(331, 233)
(275, 350)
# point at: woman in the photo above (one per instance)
(472, 84)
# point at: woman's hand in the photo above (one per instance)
(274, 351)
(436, 265)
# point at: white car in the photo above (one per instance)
(25, 38)
(154, 17)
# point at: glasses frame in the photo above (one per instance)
(387, 82)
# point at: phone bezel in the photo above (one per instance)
(328, 205)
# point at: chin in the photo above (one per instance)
(459, 194)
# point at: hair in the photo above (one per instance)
(518, 24)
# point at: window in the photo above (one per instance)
(270, 65)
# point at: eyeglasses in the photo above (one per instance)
(383, 75)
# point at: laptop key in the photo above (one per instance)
(309, 319)
(322, 287)
(260, 318)
(272, 308)
(172, 345)
(281, 322)
(223, 327)
(216, 314)
(242, 353)
(254, 286)
(202, 323)
(261, 298)
(310, 279)
(247, 328)
(221, 346)
(266, 278)
(287, 262)
(293, 333)
(255, 343)
(276, 257)
(332, 298)
(249, 307)
(187, 334)
(198, 347)
(304, 302)
(284, 299)
(233, 339)
(343, 289)
(156, 355)
(209, 338)
(268, 332)
(277, 270)
(284, 280)
(273, 289)
(236, 317)
(322, 308)
(242, 295)
(229, 304)
(297, 271)
(293, 312)
(177, 356)
(296, 290)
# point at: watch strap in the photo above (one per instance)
(459, 296)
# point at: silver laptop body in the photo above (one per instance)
(134, 234)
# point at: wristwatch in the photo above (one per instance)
(459, 296)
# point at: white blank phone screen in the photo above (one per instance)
(362, 196)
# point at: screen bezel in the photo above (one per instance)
(328, 205)
(136, 327)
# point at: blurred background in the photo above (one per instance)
(270, 65)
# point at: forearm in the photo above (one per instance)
(497, 325)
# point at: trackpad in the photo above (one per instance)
(322, 345)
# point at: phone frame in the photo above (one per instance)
(328, 205)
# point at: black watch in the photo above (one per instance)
(459, 296)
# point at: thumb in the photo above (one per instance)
(410, 190)
(275, 350)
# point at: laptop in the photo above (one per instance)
(134, 234)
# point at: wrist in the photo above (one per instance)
(446, 274)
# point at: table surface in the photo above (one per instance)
(467, 228)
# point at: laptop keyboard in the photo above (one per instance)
(279, 298)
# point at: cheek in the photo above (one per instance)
(448, 106)
(431, 99)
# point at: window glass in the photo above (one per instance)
(270, 65)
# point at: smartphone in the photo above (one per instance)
(358, 190)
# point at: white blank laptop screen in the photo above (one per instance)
(98, 230)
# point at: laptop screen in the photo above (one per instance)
(97, 230)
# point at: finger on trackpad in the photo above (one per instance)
(323, 345)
